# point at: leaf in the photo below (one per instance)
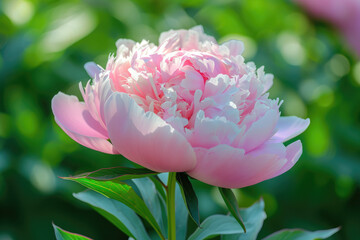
(254, 217)
(116, 212)
(118, 173)
(189, 196)
(232, 205)
(216, 225)
(159, 185)
(299, 234)
(181, 215)
(123, 193)
(151, 198)
(65, 235)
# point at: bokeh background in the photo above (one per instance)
(44, 45)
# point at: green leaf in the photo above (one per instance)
(181, 215)
(121, 192)
(151, 198)
(299, 234)
(254, 217)
(232, 205)
(116, 212)
(159, 186)
(118, 173)
(65, 235)
(216, 225)
(189, 196)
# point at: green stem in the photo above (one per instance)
(170, 206)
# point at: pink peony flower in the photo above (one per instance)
(189, 105)
(343, 14)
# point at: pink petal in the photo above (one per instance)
(209, 132)
(203, 37)
(98, 144)
(105, 93)
(259, 131)
(289, 127)
(268, 82)
(229, 167)
(73, 117)
(235, 47)
(186, 39)
(293, 153)
(145, 138)
(193, 80)
(91, 99)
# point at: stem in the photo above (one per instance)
(170, 206)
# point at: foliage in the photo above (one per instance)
(120, 208)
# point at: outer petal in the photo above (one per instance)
(289, 127)
(293, 153)
(73, 117)
(259, 131)
(145, 138)
(229, 167)
(98, 144)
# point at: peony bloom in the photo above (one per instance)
(343, 14)
(187, 105)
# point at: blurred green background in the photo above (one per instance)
(44, 45)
